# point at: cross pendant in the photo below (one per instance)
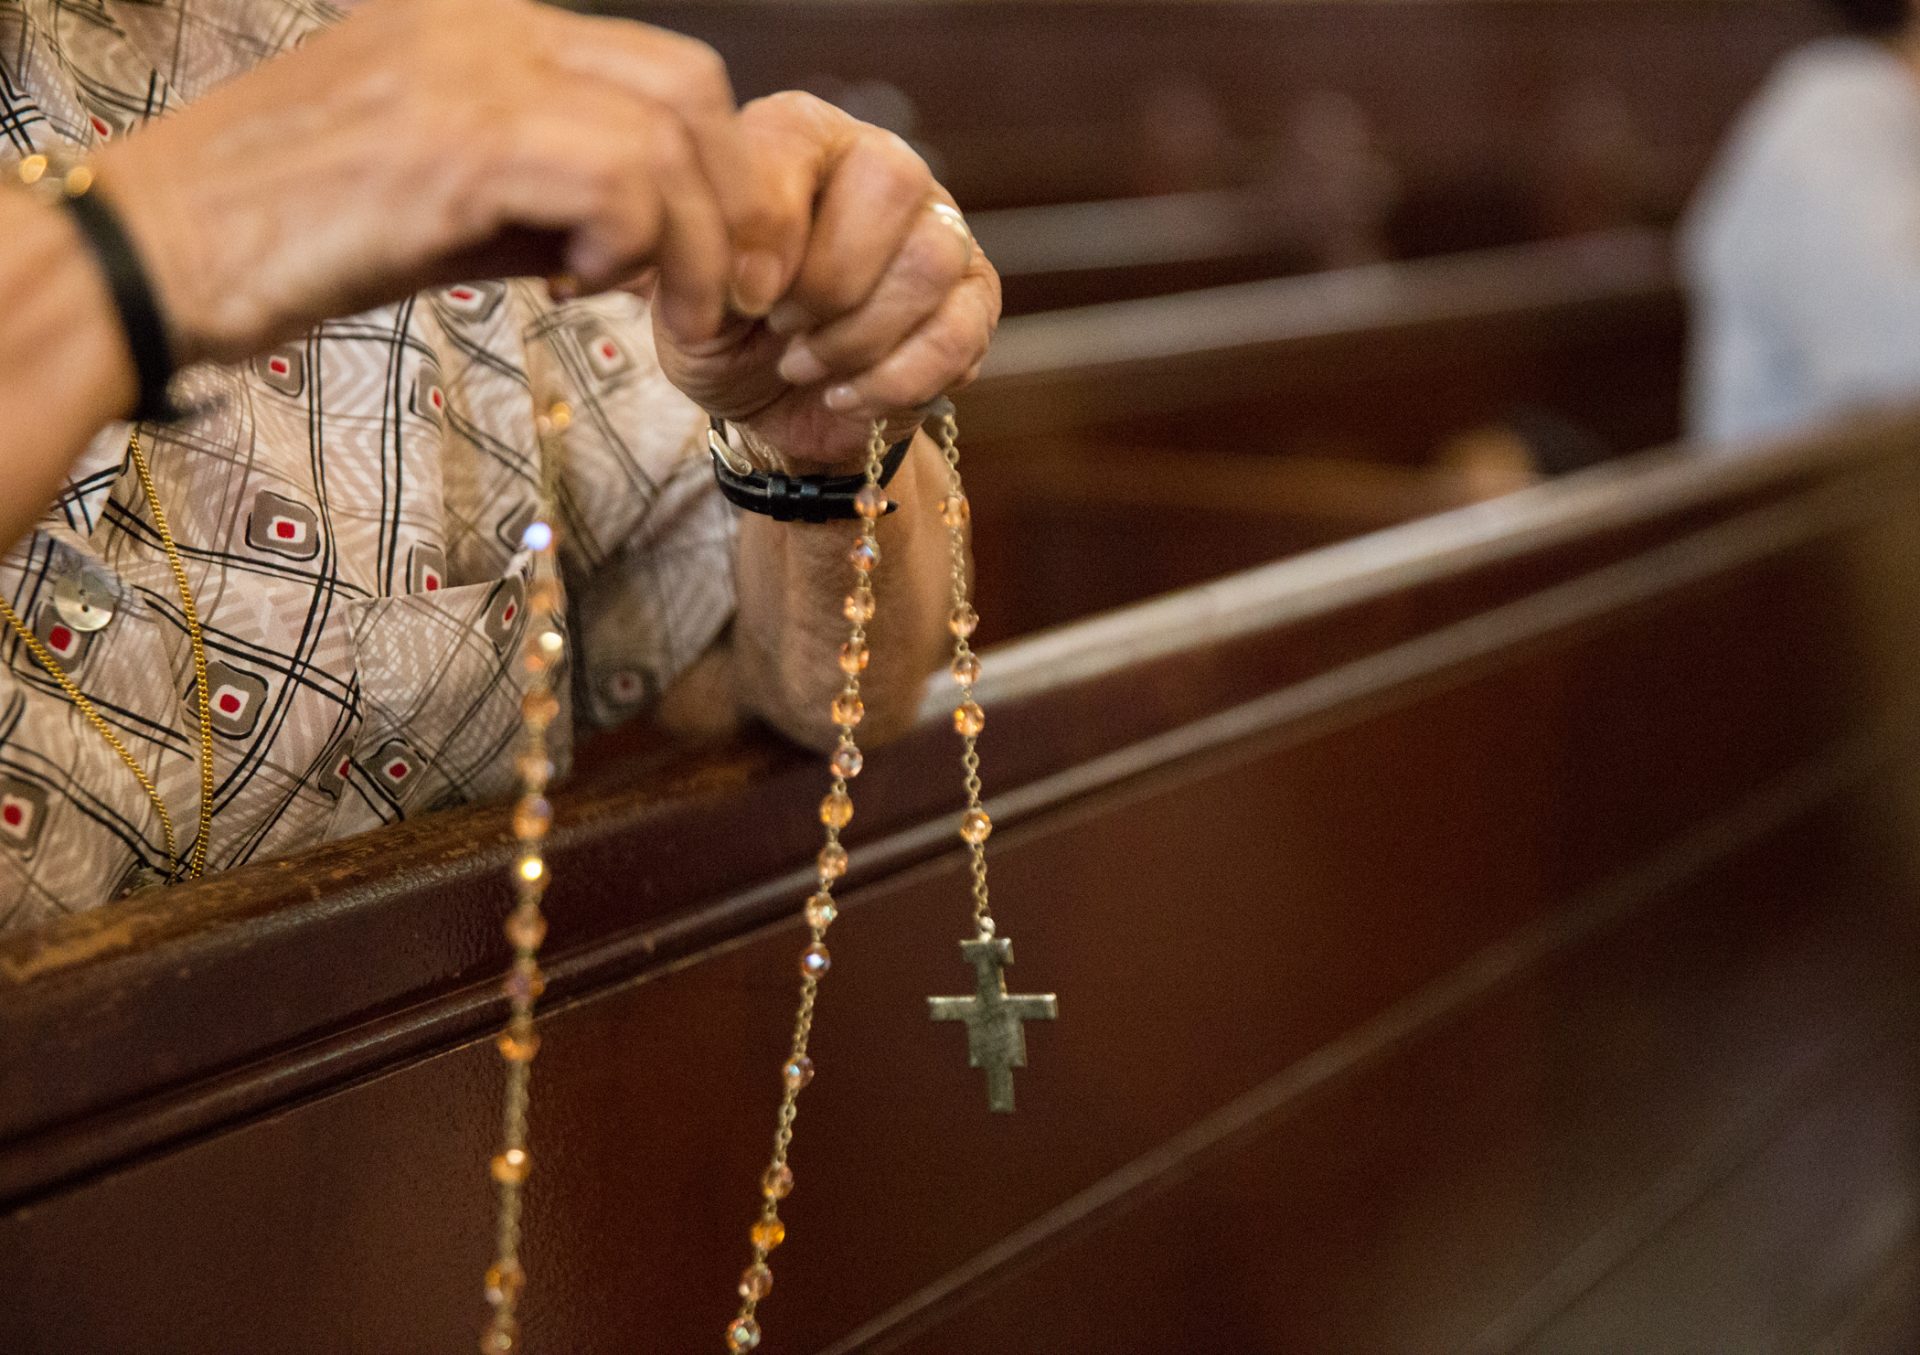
(996, 1030)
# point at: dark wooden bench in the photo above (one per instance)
(1121, 449)
(1084, 253)
(1501, 120)
(1497, 935)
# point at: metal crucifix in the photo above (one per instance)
(996, 1030)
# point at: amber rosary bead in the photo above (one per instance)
(756, 1281)
(518, 1045)
(526, 927)
(512, 1167)
(505, 1282)
(836, 809)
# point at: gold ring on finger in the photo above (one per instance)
(950, 216)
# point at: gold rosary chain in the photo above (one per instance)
(541, 654)
(968, 718)
(196, 640)
(542, 651)
(836, 812)
(743, 1333)
(196, 866)
(46, 660)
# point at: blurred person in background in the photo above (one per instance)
(1803, 249)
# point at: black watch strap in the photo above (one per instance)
(796, 498)
(133, 298)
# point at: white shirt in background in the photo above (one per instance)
(1803, 250)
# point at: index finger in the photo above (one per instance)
(689, 78)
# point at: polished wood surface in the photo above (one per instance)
(1492, 935)
(1116, 150)
(1123, 449)
(1499, 121)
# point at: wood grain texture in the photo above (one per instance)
(1020, 103)
(1214, 430)
(1438, 938)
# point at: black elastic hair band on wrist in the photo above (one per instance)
(797, 498)
(140, 321)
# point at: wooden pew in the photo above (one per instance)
(1084, 253)
(1226, 427)
(1502, 120)
(1496, 935)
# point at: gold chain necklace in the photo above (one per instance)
(994, 1018)
(196, 864)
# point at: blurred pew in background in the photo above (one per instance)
(1121, 449)
(1477, 122)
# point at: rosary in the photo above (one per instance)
(994, 1018)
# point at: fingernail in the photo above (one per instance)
(801, 366)
(756, 282)
(789, 317)
(841, 399)
(563, 287)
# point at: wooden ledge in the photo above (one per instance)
(168, 1016)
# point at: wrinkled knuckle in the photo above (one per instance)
(787, 106)
(990, 280)
(663, 152)
(990, 310)
(602, 181)
(700, 81)
(954, 348)
(902, 174)
(931, 262)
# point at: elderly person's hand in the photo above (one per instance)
(810, 275)
(429, 141)
(886, 302)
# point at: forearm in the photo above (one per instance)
(793, 579)
(64, 368)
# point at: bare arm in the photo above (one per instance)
(418, 142)
(64, 370)
(780, 662)
(886, 304)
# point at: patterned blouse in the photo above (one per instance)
(349, 509)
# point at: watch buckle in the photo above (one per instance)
(725, 455)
